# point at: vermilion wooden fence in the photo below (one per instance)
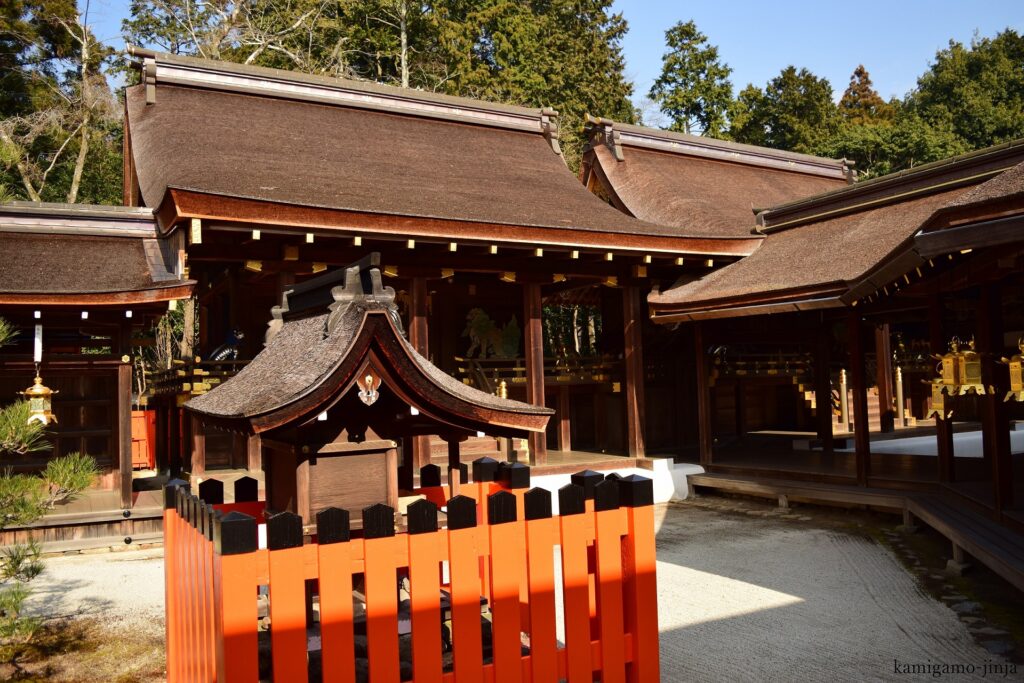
(497, 547)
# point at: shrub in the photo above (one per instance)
(66, 477)
(18, 436)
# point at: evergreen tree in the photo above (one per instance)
(977, 91)
(861, 103)
(794, 112)
(693, 89)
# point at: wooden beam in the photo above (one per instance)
(823, 387)
(564, 420)
(883, 379)
(124, 433)
(198, 431)
(703, 396)
(858, 376)
(995, 424)
(254, 461)
(174, 439)
(943, 428)
(534, 346)
(632, 315)
(419, 338)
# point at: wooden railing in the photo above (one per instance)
(187, 379)
(487, 373)
(481, 588)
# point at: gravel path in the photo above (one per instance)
(125, 589)
(744, 598)
(741, 598)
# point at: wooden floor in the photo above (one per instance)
(996, 546)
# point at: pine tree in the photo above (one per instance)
(861, 103)
(693, 89)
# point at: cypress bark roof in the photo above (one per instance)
(704, 187)
(74, 250)
(272, 136)
(320, 337)
(826, 251)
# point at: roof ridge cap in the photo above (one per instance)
(722, 150)
(162, 67)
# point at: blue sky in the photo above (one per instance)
(894, 39)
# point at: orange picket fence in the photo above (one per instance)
(473, 598)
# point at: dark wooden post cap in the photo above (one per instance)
(378, 521)
(422, 518)
(212, 491)
(485, 469)
(501, 507)
(430, 475)
(516, 475)
(247, 490)
(606, 495)
(588, 479)
(537, 502)
(333, 526)
(636, 491)
(461, 513)
(571, 500)
(284, 530)
(234, 534)
(171, 493)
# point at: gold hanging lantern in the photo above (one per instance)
(40, 401)
(969, 371)
(1016, 364)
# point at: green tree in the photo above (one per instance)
(60, 111)
(977, 92)
(795, 111)
(693, 89)
(861, 103)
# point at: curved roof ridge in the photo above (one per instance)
(934, 176)
(161, 67)
(616, 134)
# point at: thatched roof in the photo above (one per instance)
(321, 335)
(259, 134)
(829, 250)
(702, 186)
(55, 251)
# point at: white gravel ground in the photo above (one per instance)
(740, 599)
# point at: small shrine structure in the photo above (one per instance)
(338, 393)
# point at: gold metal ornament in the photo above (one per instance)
(40, 401)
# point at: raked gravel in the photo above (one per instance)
(741, 598)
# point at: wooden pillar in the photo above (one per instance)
(198, 431)
(564, 424)
(633, 358)
(454, 458)
(254, 461)
(858, 377)
(703, 396)
(995, 424)
(161, 450)
(534, 346)
(943, 428)
(174, 438)
(823, 387)
(883, 379)
(185, 442)
(124, 433)
(418, 337)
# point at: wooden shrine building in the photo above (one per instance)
(276, 176)
(338, 389)
(90, 277)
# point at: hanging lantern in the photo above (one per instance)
(1016, 364)
(40, 401)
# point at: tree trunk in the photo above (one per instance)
(403, 11)
(83, 151)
